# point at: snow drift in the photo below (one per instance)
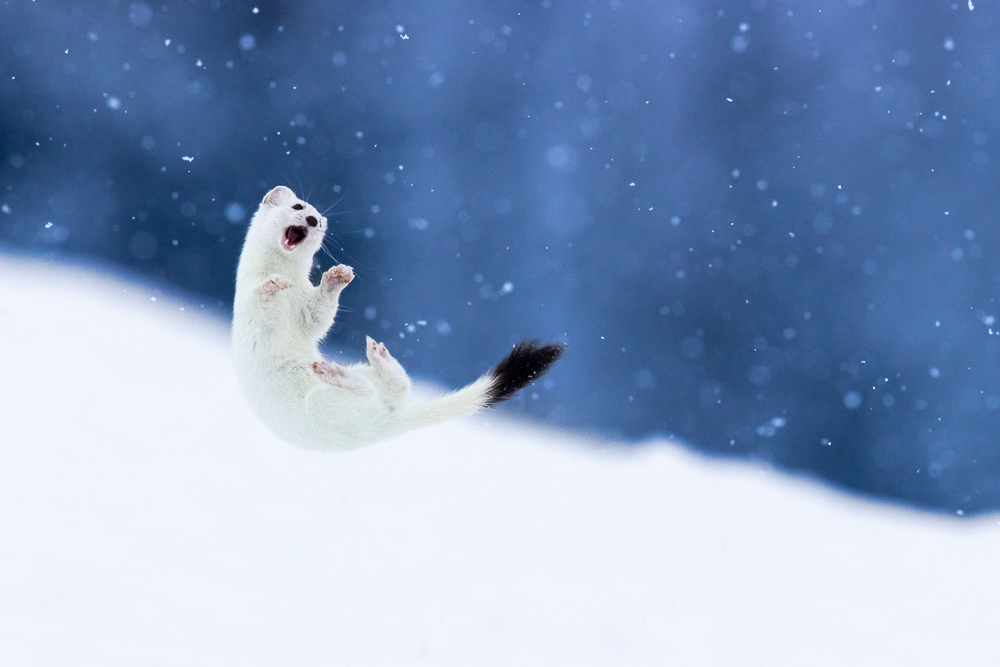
(147, 518)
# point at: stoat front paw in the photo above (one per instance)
(337, 277)
(274, 284)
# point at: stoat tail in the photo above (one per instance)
(526, 362)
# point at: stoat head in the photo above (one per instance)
(295, 227)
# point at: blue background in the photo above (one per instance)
(766, 228)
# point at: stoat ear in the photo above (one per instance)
(277, 196)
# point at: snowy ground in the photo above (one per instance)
(146, 518)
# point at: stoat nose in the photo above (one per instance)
(311, 220)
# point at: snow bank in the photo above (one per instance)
(147, 518)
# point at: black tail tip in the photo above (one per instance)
(527, 362)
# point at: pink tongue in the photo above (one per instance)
(295, 234)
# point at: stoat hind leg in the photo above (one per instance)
(387, 373)
(326, 299)
(338, 376)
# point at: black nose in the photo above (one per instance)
(311, 220)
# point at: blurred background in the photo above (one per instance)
(765, 228)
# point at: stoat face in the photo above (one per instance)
(296, 227)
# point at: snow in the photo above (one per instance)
(147, 518)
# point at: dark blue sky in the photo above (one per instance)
(762, 227)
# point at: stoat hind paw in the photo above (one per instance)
(329, 373)
(376, 352)
(337, 276)
(387, 369)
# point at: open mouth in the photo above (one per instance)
(294, 235)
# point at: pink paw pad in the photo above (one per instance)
(328, 372)
(376, 350)
(276, 284)
(337, 276)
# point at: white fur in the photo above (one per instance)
(279, 319)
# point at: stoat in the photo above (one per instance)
(279, 319)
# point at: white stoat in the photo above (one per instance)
(279, 319)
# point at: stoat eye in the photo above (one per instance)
(298, 207)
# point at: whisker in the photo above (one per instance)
(349, 257)
(328, 253)
(334, 204)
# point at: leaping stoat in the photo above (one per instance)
(279, 319)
